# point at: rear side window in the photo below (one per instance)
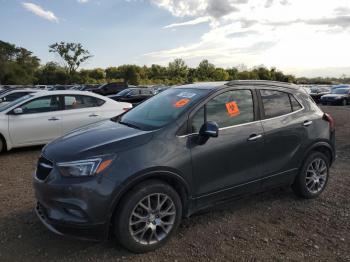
(78, 102)
(227, 109)
(275, 103)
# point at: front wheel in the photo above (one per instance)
(2, 147)
(313, 176)
(148, 216)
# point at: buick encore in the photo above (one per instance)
(135, 176)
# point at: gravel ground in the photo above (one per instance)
(273, 226)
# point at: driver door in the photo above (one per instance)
(224, 164)
(39, 123)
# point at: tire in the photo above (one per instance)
(2, 145)
(142, 226)
(313, 176)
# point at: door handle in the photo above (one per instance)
(307, 123)
(53, 119)
(254, 137)
(94, 115)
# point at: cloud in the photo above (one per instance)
(342, 10)
(82, 1)
(285, 34)
(219, 8)
(268, 3)
(212, 8)
(338, 21)
(39, 11)
(242, 34)
(196, 21)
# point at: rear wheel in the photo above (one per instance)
(148, 216)
(313, 176)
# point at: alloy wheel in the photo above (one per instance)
(152, 219)
(316, 175)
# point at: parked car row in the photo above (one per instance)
(331, 95)
(133, 94)
(39, 117)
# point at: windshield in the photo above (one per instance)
(340, 91)
(19, 100)
(124, 92)
(163, 108)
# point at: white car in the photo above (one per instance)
(41, 117)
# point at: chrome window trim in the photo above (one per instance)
(261, 120)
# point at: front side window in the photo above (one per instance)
(42, 105)
(275, 103)
(228, 109)
(78, 101)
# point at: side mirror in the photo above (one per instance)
(18, 111)
(207, 130)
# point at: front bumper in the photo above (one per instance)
(78, 207)
(97, 232)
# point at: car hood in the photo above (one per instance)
(334, 96)
(105, 137)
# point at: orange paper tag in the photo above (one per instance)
(182, 102)
(232, 109)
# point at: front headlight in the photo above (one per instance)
(83, 168)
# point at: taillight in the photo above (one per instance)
(330, 120)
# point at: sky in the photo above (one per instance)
(303, 37)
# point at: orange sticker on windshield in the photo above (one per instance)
(232, 109)
(182, 102)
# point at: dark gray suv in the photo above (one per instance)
(181, 151)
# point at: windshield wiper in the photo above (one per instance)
(129, 125)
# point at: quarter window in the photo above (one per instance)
(275, 103)
(77, 102)
(42, 105)
(228, 109)
(295, 104)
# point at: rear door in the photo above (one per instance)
(80, 110)
(285, 128)
(234, 158)
(39, 123)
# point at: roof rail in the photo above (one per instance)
(262, 83)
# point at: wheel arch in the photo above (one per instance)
(3, 139)
(323, 147)
(169, 177)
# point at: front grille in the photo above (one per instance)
(43, 168)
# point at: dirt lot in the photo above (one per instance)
(273, 226)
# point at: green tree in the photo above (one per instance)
(178, 69)
(220, 74)
(130, 74)
(51, 74)
(72, 54)
(205, 71)
(17, 65)
(112, 73)
(233, 73)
